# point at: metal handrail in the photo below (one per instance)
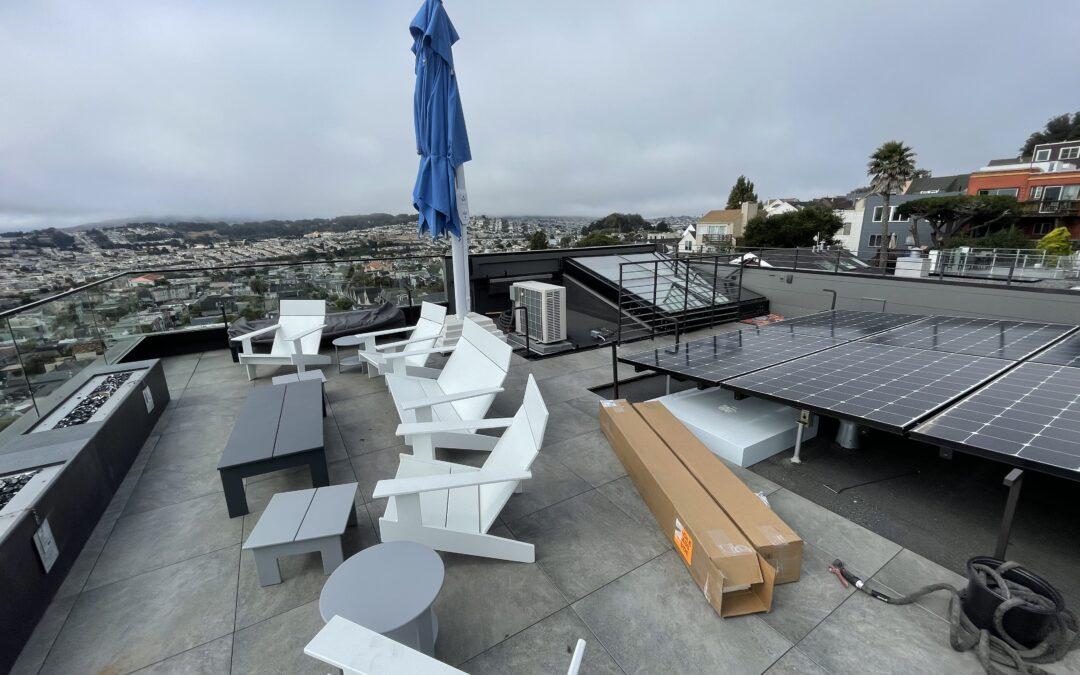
(524, 308)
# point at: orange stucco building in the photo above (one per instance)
(1048, 185)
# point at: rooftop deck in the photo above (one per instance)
(163, 585)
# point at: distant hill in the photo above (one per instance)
(124, 222)
(255, 229)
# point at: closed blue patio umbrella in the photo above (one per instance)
(441, 141)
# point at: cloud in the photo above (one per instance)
(284, 109)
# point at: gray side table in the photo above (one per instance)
(389, 589)
(348, 361)
(302, 521)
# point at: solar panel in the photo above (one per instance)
(1065, 353)
(1013, 340)
(843, 324)
(887, 387)
(1031, 416)
(714, 359)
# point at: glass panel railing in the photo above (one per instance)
(55, 341)
(48, 342)
(122, 311)
(15, 396)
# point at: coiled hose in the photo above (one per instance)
(991, 650)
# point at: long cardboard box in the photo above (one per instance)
(734, 577)
(770, 536)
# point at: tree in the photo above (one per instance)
(258, 285)
(805, 227)
(1008, 238)
(597, 239)
(1061, 128)
(742, 191)
(619, 222)
(343, 304)
(567, 241)
(1056, 242)
(889, 168)
(949, 215)
(538, 241)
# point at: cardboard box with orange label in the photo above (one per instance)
(770, 536)
(734, 577)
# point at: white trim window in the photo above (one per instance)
(894, 217)
(1071, 152)
(1035, 193)
(878, 210)
(1042, 155)
(1003, 192)
(712, 229)
(875, 240)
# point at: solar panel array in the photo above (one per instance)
(1065, 353)
(995, 388)
(888, 387)
(842, 324)
(1031, 415)
(714, 359)
(1015, 340)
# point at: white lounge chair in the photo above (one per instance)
(421, 336)
(297, 335)
(451, 507)
(360, 651)
(463, 390)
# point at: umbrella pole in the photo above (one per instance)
(459, 247)
(459, 250)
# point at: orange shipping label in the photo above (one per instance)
(683, 543)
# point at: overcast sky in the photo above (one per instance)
(302, 109)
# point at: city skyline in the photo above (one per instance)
(230, 111)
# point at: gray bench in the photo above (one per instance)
(279, 427)
(304, 521)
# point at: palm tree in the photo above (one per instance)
(891, 165)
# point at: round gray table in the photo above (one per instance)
(348, 361)
(388, 588)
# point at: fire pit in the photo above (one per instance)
(92, 402)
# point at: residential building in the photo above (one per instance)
(1047, 185)
(933, 185)
(775, 207)
(872, 233)
(850, 234)
(145, 280)
(718, 229)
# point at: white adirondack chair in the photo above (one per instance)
(421, 336)
(297, 334)
(357, 650)
(463, 390)
(451, 507)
